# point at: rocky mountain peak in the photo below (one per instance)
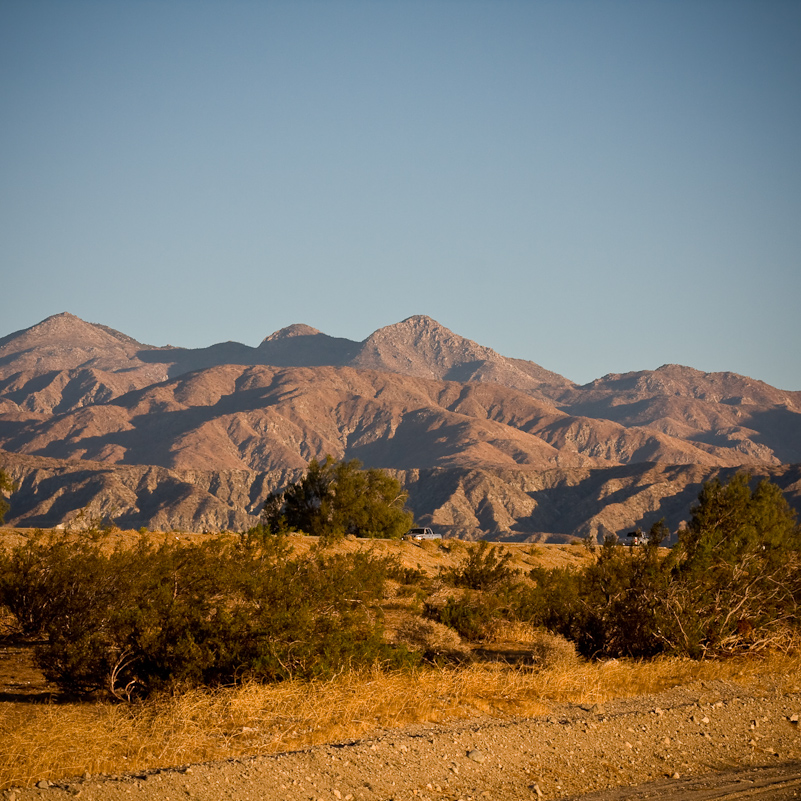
(65, 334)
(61, 319)
(416, 328)
(295, 330)
(57, 327)
(420, 346)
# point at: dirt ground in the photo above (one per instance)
(668, 740)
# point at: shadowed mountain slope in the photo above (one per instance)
(514, 504)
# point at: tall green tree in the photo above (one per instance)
(335, 499)
(731, 523)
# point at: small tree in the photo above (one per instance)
(737, 577)
(731, 523)
(368, 503)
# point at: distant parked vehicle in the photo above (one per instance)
(421, 534)
(635, 538)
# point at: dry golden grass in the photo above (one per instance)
(58, 741)
(429, 556)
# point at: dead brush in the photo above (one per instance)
(431, 639)
(58, 741)
(553, 651)
(545, 650)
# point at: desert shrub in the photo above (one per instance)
(736, 580)
(434, 641)
(612, 607)
(24, 590)
(483, 568)
(731, 583)
(318, 615)
(552, 650)
(42, 575)
(551, 600)
(135, 620)
(131, 619)
(408, 576)
(474, 615)
(620, 609)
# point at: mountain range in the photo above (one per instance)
(488, 446)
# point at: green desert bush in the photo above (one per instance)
(50, 572)
(484, 567)
(731, 583)
(139, 619)
(476, 615)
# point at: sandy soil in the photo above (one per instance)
(666, 739)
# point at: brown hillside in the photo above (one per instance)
(264, 418)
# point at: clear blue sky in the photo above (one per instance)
(595, 186)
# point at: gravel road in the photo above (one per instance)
(708, 729)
